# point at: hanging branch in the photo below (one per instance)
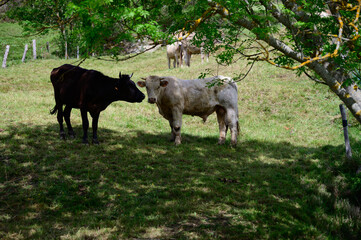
(3, 2)
(129, 56)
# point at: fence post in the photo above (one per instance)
(34, 49)
(25, 51)
(48, 47)
(77, 52)
(345, 133)
(66, 50)
(6, 55)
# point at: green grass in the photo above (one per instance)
(286, 179)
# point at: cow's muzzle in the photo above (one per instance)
(141, 97)
(152, 100)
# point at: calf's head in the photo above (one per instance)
(154, 86)
(127, 90)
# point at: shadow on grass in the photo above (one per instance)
(138, 185)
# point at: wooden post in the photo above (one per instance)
(66, 50)
(6, 55)
(48, 47)
(345, 133)
(34, 49)
(25, 51)
(77, 52)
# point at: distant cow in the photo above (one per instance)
(92, 92)
(189, 50)
(174, 51)
(175, 97)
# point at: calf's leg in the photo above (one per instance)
(84, 117)
(177, 125)
(172, 131)
(67, 112)
(232, 122)
(221, 117)
(95, 117)
(59, 116)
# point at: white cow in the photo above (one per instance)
(174, 51)
(175, 97)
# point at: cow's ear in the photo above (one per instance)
(141, 83)
(120, 75)
(163, 83)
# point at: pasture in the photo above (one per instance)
(286, 179)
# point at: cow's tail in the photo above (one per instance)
(54, 110)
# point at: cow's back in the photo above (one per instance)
(194, 97)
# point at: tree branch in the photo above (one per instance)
(3, 2)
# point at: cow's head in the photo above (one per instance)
(154, 85)
(127, 90)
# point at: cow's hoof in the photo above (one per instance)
(71, 135)
(95, 141)
(233, 144)
(221, 141)
(85, 141)
(62, 135)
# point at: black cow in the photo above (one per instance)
(92, 92)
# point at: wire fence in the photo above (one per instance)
(35, 52)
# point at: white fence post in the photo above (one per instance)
(77, 52)
(6, 55)
(66, 50)
(25, 51)
(34, 48)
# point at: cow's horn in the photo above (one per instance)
(131, 75)
(143, 78)
(120, 74)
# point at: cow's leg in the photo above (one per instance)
(177, 125)
(60, 120)
(202, 54)
(221, 117)
(174, 62)
(67, 112)
(189, 59)
(95, 117)
(172, 130)
(84, 117)
(232, 122)
(168, 62)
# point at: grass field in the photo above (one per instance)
(286, 179)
